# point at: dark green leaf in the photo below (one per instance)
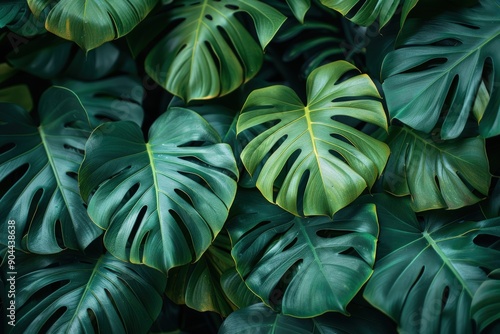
(72, 293)
(429, 268)
(210, 53)
(168, 197)
(290, 261)
(437, 70)
(38, 168)
(486, 302)
(435, 174)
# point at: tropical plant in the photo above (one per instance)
(241, 166)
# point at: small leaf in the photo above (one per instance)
(436, 175)
(91, 23)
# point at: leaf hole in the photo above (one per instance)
(6, 147)
(444, 298)
(137, 224)
(232, 7)
(72, 175)
(213, 56)
(52, 320)
(47, 290)
(33, 206)
(12, 178)
(448, 42)
(487, 241)
(420, 274)
(113, 302)
(93, 320)
(74, 149)
(426, 65)
(436, 180)
(346, 76)
(184, 196)
(185, 232)
(290, 244)
(349, 251)
(58, 229)
(257, 227)
(230, 43)
(209, 17)
(330, 234)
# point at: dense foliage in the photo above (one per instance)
(240, 166)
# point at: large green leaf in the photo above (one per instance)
(486, 302)
(38, 168)
(337, 160)
(437, 69)
(302, 266)
(367, 12)
(259, 319)
(209, 53)
(72, 293)
(113, 99)
(91, 23)
(428, 268)
(436, 174)
(167, 197)
(198, 285)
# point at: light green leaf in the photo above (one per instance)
(168, 197)
(436, 174)
(337, 161)
(299, 8)
(303, 267)
(429, 268)
(73, 293)
(486, 302)
(437, 68)
(17, 94)
(210, 53)
(259, 319)
(91, 23)
(198, 285)
(371, 10)
(38, 168)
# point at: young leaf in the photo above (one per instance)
(167, 198)
(436, 175)
(91, 23)
(340, 161)
(38, 168)
(289, 261)
(445, 57)
(428, 270)
(210, 53)
(73, 293)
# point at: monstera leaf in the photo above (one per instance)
(91, 23)
(367, 12)
(437, 69)
(299, 8)
(72, 293)
(289, 261)
(210, 53)
(337, 161)
(259, 318)
(38, 168)
(436, 175)
(167, 197)
(486, 302)
(198, 285)
(428, 268)
(114, 99)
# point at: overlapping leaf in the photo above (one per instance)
(336, 160)
(209, 53)
(444, 58)
(91, 23)
(486, 302)
(290, 261)
(428, 269)
(167, 198)
(72, 293)
(436, 175)
(259, 319)
(198, 285)
(367, 12)
(38, 168)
